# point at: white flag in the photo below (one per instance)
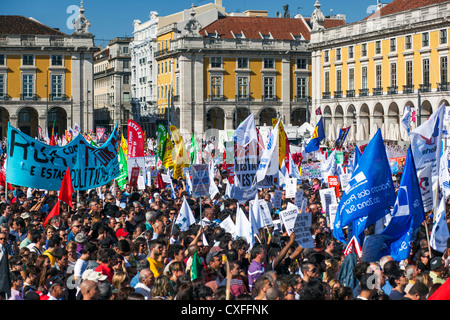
(406, 119)
(243, 227)
(444, 182)
(268, 164)
(328, 167)
(439, 233)
(256, 216)
(185, 217)
(213, 190)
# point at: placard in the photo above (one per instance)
(327, 197)
(333, 182)
(298, 198)
(300, 224)
(311, 171)
(344, 179)
(200, 180)
(290, 187)
(229, 226)
(265, 211)
(276, 200)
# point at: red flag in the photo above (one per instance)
(135, 141)
(159, 182)
(442, 293)
(54, 212)
(318, 111)
(353, 246)
(66, 191)
(52, 139)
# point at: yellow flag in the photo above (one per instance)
(281, 141)
(124, 146)
(167, 158)
(182, 159)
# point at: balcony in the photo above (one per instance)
(425, 87)
(350, 93)
(56, 97)
(28, 97)
(337, 94)
(270, 98)
(243, 97)
(301, 99)
(4, 97)
(217, 97)
(393, 90)
(443, 86)
(363, 92)
(377, 91)
(409, 88)
(326, 95)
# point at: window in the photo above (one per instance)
(409, 73)
(126, 79)
(444, 69)
(158, 68)
(126, 97)
(393, 46)
(350, 52)
(242, 63)
(165, 67)
(27, 85)
(243, 87)
(393, 74)
(302, 91)
(2, 85)
(2, 59)
(351, 79)
(443, 36)
(338, 54)
(302, 63)
(338, 80)
(28, 60)
(408, 42)
(364, 50)
(56, 86)
(378, 47)
(216, 62)
(216, 87)
(269, 63)
(327, 81)
(269, 87)
(426, 71)
(126, 64)
(378, 76)
(57, 60)
(125, 50)
(425, 39)
(364, 79)
(326, 56)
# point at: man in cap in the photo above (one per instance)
(437, 270)
(56, 289)
(121, 234)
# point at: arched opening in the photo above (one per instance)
(28, 121)
(327, 121)
(242, 114)
(266, 116)
(338, 119)
(4, 116)
(393, 121)
(298, 117)
(378, 119)
(215, 119)
(426, 111)
(57, 118)
(364, 120)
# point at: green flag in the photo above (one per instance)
(194, 150)
(161, 137)
(196, 267)
(123, 176)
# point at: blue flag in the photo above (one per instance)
(318, 136)
(343, 132)
(408, 213)
(370, 191)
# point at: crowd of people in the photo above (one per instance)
(123, 244)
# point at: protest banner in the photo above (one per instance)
(134, 175)
(200, 180)
(265, 212)
(311, 171)
(344, 179)
(138, 162)
(299, 224)
(34, 164)
(100, 131)
(229, 226)
(135, 139)
(327, 197)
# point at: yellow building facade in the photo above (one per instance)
(369, 71)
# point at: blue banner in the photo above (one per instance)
(370, 191)
(34, 164)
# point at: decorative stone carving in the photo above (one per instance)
(193, 26)
(82, 24)
(317, 17)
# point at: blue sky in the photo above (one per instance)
(114, 18)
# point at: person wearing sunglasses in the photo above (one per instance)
(5, 283)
